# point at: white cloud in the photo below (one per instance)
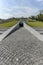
(6, 16)
(39, 0)
(40, 3)
(18, 11)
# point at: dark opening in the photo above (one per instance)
(21, 24)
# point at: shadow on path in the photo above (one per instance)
(14, 30)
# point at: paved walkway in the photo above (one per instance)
(21, 48)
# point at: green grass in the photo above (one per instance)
(8, 24)
(35, 24)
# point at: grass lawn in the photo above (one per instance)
(35, 24)
(8, 24)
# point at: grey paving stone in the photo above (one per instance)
(21, 48)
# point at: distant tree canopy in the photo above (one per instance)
(32, 17)
(9, 20)
(39, 17)
(12, 19)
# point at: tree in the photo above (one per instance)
(32, 17)
(40, 16)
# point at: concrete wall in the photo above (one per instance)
(9, 31)
(34, 32)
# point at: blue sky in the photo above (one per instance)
(19, 8)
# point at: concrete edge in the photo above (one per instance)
(30, 29)
(34, 32)
(8, 32)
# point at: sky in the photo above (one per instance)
(19, 8)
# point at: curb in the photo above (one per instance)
(34, 32)
(9, 31)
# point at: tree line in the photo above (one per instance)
(39, 17)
